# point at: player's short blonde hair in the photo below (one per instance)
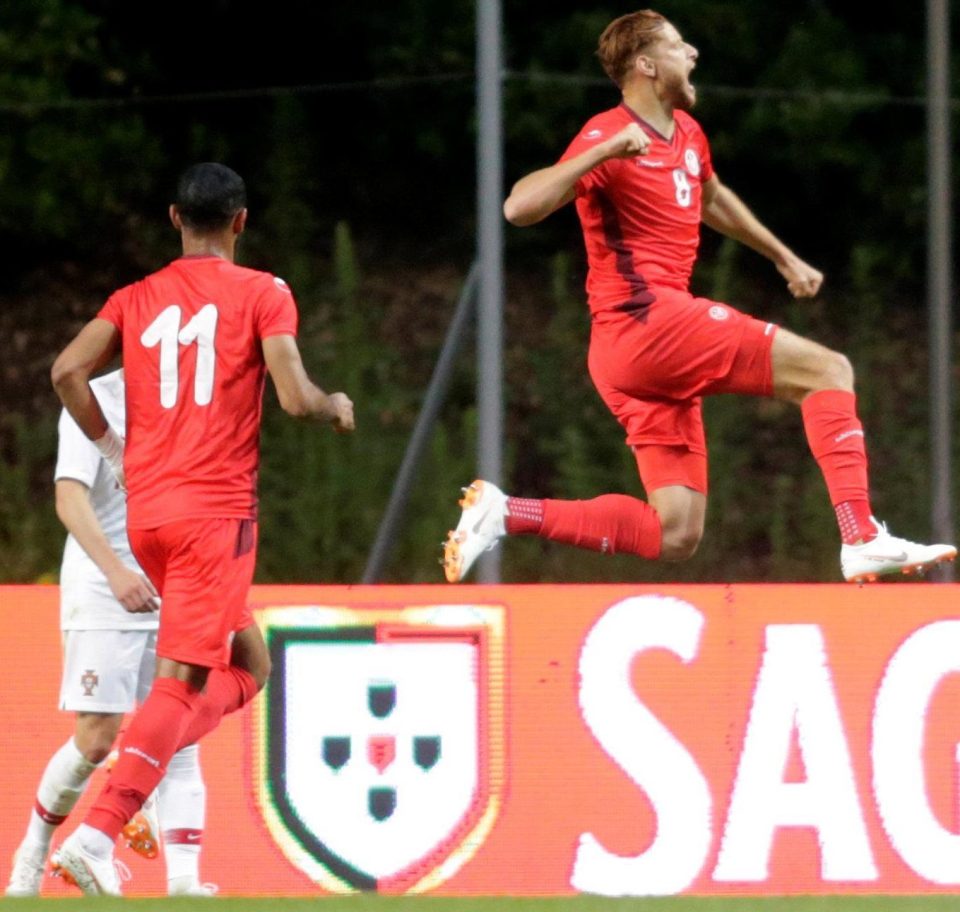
(626, 37)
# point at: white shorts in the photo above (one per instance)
(107, 671)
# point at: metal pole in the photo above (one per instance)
(939, 266)
(435, 395)
(490, 256)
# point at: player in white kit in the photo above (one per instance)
(109, 621)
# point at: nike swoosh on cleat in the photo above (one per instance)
(479, 522)
(896, 558)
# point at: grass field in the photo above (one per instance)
(370, 903)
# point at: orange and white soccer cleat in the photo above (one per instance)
(142, 833)
(481, 526)
(93, 875)
(886, 554)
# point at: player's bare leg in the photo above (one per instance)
(802, 366)
(249, 652)
(682, 513)
(821, 382)
(95, 733)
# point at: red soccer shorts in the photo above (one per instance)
(202, 569)
(653, 373)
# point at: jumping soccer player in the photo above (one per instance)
(642, 179)
(198, 337)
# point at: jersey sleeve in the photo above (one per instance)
(77, 457)
(277, 311)
(112, 311)
(586, 139)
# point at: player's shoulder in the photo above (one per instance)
(146, 284)
(258, 280)
(131, 288)
(688, 124)
(603, 125)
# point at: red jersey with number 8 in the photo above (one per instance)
(194, 374)
(640, 216)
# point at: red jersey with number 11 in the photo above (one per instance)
(640, 216)
(194, 371)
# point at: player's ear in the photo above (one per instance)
(240, 221)
(644, 65)
(175, 218)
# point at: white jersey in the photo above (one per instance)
(86, 602)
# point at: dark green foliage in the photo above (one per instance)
(363, 199)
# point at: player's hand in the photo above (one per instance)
(134, 591)
(631, 141)
(342, 407)
(803, 281)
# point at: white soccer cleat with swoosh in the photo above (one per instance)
(888, 554)
(28, 865)
(481, 526)
(94, 876)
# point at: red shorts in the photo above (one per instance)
(202, 569)
(653, 373)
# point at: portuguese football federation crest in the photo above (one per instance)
(380, 741)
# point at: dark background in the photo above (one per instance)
(353, 124)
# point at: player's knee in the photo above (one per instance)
(96, 746)
(680, 542)
(836, 372)
(95, 734)
(96, 754)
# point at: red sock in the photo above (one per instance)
(611, 524)
(227, 689)
(856, 521)
(836, 441)
(524, 516)
(151, 740)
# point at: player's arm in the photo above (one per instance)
(299, 396)
(133, 590)
(542, 192)
(91, 349)
(725, 212)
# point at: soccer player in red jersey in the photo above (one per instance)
(198, 338)
(642, 179)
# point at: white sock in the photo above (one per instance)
(61, 786)
(183, 800)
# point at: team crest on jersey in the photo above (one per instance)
(691, 162)
(89, 681)
(717, 312)
(380, 745)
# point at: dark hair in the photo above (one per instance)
(626, 37)
(209, 195)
